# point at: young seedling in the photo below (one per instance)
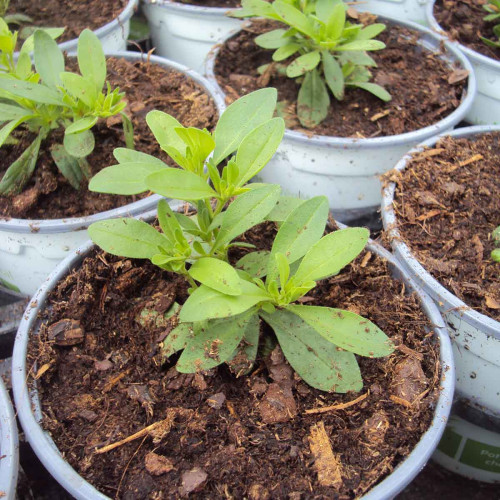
(320, 48)
(495, 254)
(493, 7)
(49, 98)
(220, 321)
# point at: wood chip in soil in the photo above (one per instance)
(417, 80)
(217, 444)
(447, 206)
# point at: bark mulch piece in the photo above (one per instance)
(447, 206)
(417, 80)
(147, 86)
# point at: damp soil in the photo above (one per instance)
(101, 380)
(74, 16)
(212, 3)
(418, 81)
(464, 21)
(447, 206)
(147, 86)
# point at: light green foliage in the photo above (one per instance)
(493, 7)
(329, 51)
(219, 322)
(495, 235)
(46, 98)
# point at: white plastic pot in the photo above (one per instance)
(406, 10)
(485, 109)
(9, 447)
(185, 33)
(30, 249)
(475, 337)
(347, 170)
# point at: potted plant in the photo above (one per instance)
(475, 28)
(185, 30)
(419, 217)
(9, 447)
(49, 217)
(253, 340)
(318, 160)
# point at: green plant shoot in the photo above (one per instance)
(495, 235)
(48, 98)
(220, 321)
(493, 7)
(320, 48)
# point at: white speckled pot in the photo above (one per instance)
(407, 10)
(9, 446)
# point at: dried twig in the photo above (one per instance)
(340, 406)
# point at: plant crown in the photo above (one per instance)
(493, 7)
(495, 254)
(219, 322)
(49, 98)
(331, 51)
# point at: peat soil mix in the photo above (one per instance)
(48, 195)
(464, 21)
(212, 435)
(423, 87)
(447, 206)
(73, 16)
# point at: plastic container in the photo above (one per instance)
(30, 249)
(185, 33)
(475, 337)
(406, 10)
(9, 446)
(485, 109)
(347, 170)
(29, 411)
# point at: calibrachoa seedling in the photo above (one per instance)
(329, 51)
(495, 254)
(50, 99)
(219, 322)
(493, 7)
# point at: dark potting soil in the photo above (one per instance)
(74, 16)
(463, 20)
(49, 196)
(101, 380)
(212, 3)
(447, 206)
(424, 88)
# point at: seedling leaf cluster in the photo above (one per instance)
(220, 320)
(493, 8)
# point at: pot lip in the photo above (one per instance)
(415, 136)
(29, 408)
(51, 226)
(9, 444)
(475, 56)
(183, 8)
(402, 251)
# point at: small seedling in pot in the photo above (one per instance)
(219, 322)
(495, 235)
(320, 48)
(493, 7)
(48, 98)
(17, 18)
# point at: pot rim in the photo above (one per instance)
(51, 226)
(402, 251)
(29, 410)
(183, 8)
(476, 57)
(415, 136)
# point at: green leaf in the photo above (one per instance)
(257, 148)
(284, 206)
(313, 101)
(81, 125)
(333, 75)
(240, 118)
(316, 360)
(286, 51)
(325, 8)
(7, 129)
(163, 127)
(216, 274)
(374, 89)
(246, 211)
(246, 353)
(80, 88)
(125, 178)
(356, 58)
(31, 91)
(361, 45)
(206, 303)
(126, 155)
(336, 21)
(67, 165)
(293, 17)
(200, 143)
(169, 223)
(29, 43)
(177, 339)
(303, 64)
(49, 61)
(255, 263)
(188, 224)
(127, 238)
(331, 253)
(179, 184)
(79, 145)
(91, 60)
(212, 344)
(370, 31)
(346, 330)
(252, 8)
(272, 39)
(12, 112)
(23, 66)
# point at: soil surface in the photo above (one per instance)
(212, 3)
(447, 205)
(101, 380)
(419, 85)
(74, 16)
(463, 20)
(49, 196)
